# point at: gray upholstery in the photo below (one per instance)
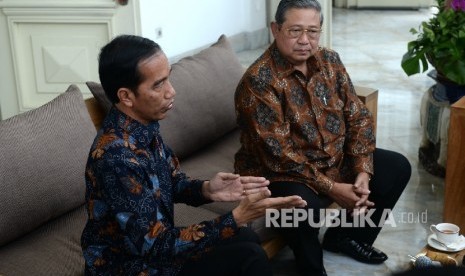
(99, 94)
(204, 105)
(43, 156)
(52, 249)
(185, 215)
(217, 157)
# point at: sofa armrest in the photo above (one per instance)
(96, 112)
(369, 96)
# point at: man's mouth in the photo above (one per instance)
(170, 106)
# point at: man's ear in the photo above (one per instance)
(125, 96)
(274, 28)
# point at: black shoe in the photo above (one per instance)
(362, 252)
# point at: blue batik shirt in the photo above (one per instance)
(132, 182)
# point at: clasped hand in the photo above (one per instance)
(353, 196)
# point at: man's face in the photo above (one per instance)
(298, 49)
(155, 95)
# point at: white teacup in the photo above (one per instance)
(446, 232)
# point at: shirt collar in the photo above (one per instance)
(143, 133)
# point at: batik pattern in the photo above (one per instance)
(311, 130)
(132, 182)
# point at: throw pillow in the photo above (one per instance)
(99, 94)
(43, 157)
(204, 104)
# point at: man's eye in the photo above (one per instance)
(159, 84)
(295, 32)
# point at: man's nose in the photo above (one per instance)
(303, 38)
(170, 93)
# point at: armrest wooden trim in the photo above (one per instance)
(95, 111)
(273, 246)
(369, 97)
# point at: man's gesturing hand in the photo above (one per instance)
(232, 187)
(255, 205)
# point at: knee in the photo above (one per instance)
(255, 261)
(246, 234)
(253, 250)
(403, 168)
(394, 164)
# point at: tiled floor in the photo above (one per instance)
(371, 44)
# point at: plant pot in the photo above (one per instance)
(452, 91)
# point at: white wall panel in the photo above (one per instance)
(49, 56)
(50, 44)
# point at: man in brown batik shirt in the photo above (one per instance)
(304, 128)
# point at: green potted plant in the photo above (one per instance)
(441, 42)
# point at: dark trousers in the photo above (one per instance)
(391, 174)
(240, 255)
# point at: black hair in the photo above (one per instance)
(285, 5)
(119, 60)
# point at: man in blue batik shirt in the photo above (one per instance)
(133, 179)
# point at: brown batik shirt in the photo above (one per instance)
(312, 130)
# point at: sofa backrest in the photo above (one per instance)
(43, 155)
(204, 104)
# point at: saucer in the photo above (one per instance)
(458, 245)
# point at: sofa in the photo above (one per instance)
(44, 151)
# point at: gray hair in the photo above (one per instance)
(285, 5)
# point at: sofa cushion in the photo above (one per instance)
(52, 249)
(43, 157)
(185, 215)
(217, 157)
(99, 94)
(204, 105)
